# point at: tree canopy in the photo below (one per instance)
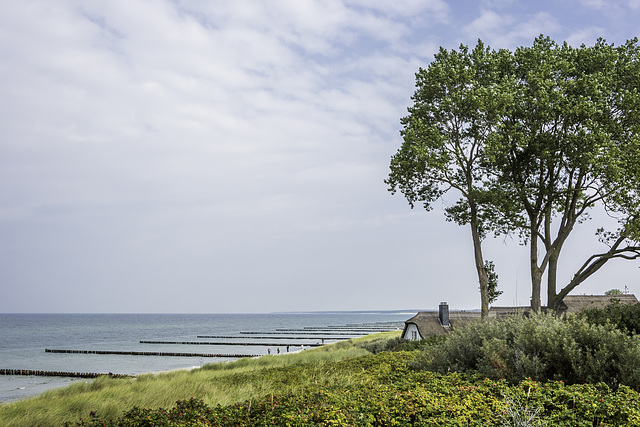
(532, 140)
(568, 141)
(445, 135)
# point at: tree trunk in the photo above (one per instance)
(552, 278)
(536, 274)
(483, 278)
(569, 220)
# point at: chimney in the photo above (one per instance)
(443, 314)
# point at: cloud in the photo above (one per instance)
(160, 112)
(586, 36)
(507, 31)
(145, 145)
(488, 23)
(438, 8)
(615, 19)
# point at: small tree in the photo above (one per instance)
(492, 284)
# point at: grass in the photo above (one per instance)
(219, 383)
(341, 384)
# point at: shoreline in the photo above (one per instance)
(28, 336)
(37, 385)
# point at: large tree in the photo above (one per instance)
(532, 141)
(444, 142)
(567, 141)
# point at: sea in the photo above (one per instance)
(25, 337)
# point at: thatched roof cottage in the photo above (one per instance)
(576, 303)
(426, 324)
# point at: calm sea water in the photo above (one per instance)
(24, 338)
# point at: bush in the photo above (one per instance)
(400, 344)
(541, 347)
(625, 317)
(383, 391)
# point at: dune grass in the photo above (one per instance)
(218, 383)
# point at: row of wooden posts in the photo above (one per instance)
(149, 353)
(233, 343)
(152, 353)
(59, 373)
(32, 372)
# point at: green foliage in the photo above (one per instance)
(218, 383)
(492, 283)
(531, 141)
(613, 292)
(625, 317)
(567, 141)
(385, 391)
(445, 135)
(189, 412)
(372, 390)
(400, 344)
(540, 347)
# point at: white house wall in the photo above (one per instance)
(411, 333)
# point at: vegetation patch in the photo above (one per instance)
(346, 385)
(625, 317)
(385, 391)
(542, 347)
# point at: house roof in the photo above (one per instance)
(429, 325)
(508, 311)
(576, 303)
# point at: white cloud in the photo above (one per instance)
(438, 8)
(586, 36)
(507, 31)
(487, 24)
(616, 18)
(540, 23)
(188, 104)
(156, 140)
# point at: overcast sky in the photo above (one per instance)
(229, 156)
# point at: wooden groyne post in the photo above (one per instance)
(148, 353)
(59, 373)
(232, 343)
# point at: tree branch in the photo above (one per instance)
(597, 261)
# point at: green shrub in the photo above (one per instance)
(384, 391)
(541, 347)
(400, 344)
(625, 317)
(371, 390)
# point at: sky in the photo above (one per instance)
(193, 156)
